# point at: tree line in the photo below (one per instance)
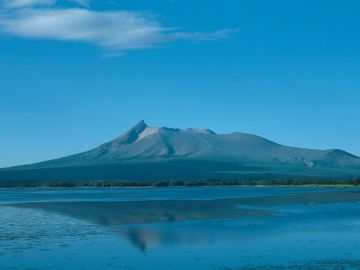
(179, 183)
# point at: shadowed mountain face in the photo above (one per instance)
(150, 153)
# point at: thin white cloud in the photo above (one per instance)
(31, 3)
(27, 3)
(119, 30)
(85, 3)
(203, 37)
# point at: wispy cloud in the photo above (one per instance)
(31, 3)
(118, 30)
(85, 3)
(26, 3)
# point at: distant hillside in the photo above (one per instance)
(150, 153)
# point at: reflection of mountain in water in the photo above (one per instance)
(125, 218)
(140, 212)
(185, 234)
(155, 222)
(137, 238)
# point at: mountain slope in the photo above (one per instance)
(164, 153)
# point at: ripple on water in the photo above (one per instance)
(311, 265)
(28, 228)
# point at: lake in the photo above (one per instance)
(217, 228)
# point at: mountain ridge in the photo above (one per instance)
(154, 146)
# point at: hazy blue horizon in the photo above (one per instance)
(285, 71)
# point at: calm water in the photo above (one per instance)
(180, 228)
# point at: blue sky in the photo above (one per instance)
(74, 74)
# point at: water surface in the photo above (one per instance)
(180, 228)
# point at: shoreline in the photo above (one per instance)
(314, 183)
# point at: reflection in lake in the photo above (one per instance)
(116, 213)
(287, 229)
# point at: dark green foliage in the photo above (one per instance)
(179, 183)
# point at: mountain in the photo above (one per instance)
(152, 153)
